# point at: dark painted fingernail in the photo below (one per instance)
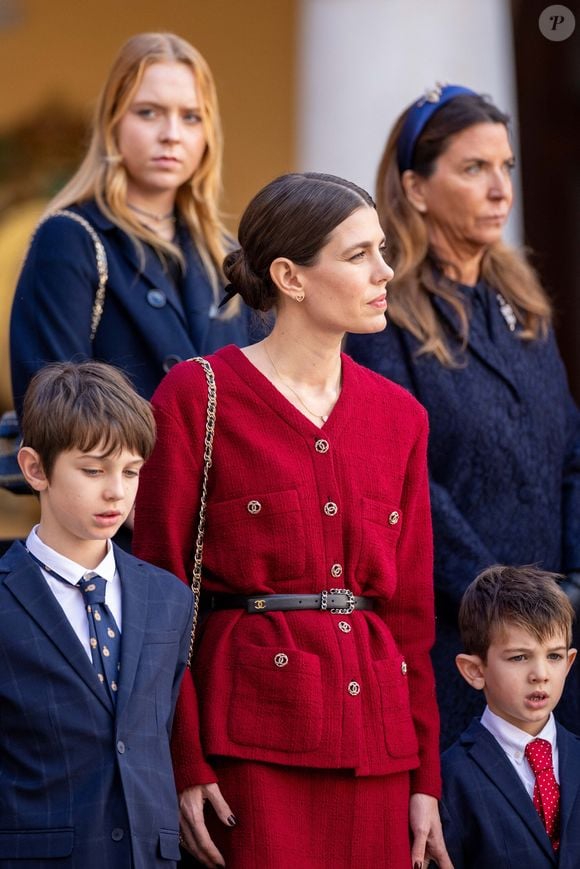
(418, 864)
(232, 821)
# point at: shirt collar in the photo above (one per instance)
(511, 738)
(69, 570)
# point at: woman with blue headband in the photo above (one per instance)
(470, 336)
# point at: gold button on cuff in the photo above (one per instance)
(330, 508)
(353, 688)
(345, 627)
(254, 507)
(336, 570)
(321, 446)
(394, 517)
(404, 668)
(281, 659)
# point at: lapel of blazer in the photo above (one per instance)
(150, 270)
(569, 765)
(27, 584)
(135, 601)
(491, 759)
(198, 298)
(481, 347)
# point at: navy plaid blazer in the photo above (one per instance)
(489, 820)
(83, 784)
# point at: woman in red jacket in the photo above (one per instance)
(315, 710)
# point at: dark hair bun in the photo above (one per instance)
(256, 293)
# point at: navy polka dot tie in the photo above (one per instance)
(104, 635)
(546, 788)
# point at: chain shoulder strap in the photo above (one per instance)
(102, 265)
(207, 461)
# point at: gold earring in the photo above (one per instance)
(299, 297)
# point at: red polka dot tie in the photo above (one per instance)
(546, 789)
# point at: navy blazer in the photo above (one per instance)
(489, 820)
(504, 446)
(82, 784)
(147, 324)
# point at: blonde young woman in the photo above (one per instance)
(470, 336)
(149, 187)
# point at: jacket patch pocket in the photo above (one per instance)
(400, 737)
(36, 844)
(381, 523)
(260, 535)
(169, 845)
(276, 699)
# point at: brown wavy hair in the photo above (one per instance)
(418, 273)
(102, 176)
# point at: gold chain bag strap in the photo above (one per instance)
(207, 459)
(102, 265)
(10, 474)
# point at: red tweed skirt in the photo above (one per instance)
(295, 818)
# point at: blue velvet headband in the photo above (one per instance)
(419, 115)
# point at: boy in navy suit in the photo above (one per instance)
(511, 783)
(93, 642)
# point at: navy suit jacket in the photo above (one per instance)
(147, 324)
(83, 784)
(489, 820)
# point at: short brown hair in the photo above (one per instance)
(524, 596)
(81, 405)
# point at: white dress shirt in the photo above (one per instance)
(514, 741)
(68, 596)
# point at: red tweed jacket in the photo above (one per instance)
(297, 509)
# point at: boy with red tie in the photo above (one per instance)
(93, 642)
(511, 783)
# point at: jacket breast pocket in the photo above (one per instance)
(276, 699)
(400, 737)
(259, 536)
(381, 523)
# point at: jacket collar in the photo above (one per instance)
(196, 298)
(27, 584)
(486, 752)
(479, 344)
(135, 600)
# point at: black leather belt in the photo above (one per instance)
(339, 601)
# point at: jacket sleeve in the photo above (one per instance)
(51, 311)
(410, 612)
(165, 528)
(459, 552)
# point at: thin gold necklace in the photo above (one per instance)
(323, 417)
(158, 218)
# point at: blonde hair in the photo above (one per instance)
(503, 268)
(102, 176)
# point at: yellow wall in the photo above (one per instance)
(62, 49)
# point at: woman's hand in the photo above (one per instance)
(428, 841)
(194, 833)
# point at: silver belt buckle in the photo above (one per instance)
(346, 610)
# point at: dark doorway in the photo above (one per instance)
(548, 83)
